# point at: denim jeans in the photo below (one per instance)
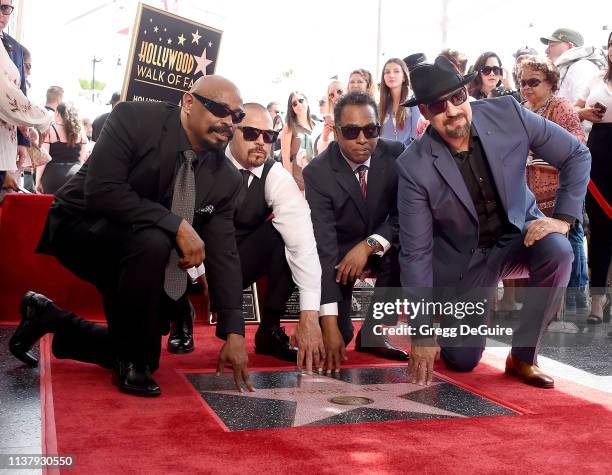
(579, 276)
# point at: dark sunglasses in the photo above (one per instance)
(456, 98)
(339, 92)
(533, 82)
(220, 110)
(6, 9)
(301, 100)
(251, 134)
(351, 132)
(486, 70)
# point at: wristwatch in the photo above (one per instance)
(374, 244)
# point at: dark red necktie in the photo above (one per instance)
(362, 170)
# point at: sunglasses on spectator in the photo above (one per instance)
(220, 110)
(351, 132)
(486, 70)
(339, 92)
(6, 9)
(301, 100)
(251, 134)
(533, 82)
(456, 98)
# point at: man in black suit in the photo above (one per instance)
(352, 192)
(156, 189)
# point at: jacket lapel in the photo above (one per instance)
(376, 181)
(205, 179)
(446, 166)
(168, 151)
(346, 179)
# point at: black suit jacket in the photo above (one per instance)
(126, 178)
(340, 216)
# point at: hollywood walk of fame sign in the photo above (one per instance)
(168, 53)
(291, 399)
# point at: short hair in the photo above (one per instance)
(54, 93)
(273, 103)
(543, 65)
(354, 99)
(26, 52)
(456, 57)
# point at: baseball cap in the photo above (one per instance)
(564, 35)
(525, 50)
(116, 97)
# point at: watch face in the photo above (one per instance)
(372, 242)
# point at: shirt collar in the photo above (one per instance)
(354, 166)
(257, 171)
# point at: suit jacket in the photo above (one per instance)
(340, 216)
(125, 181)
(16, 55)
(437, 219)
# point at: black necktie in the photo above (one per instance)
(183, 205)
(246, 174)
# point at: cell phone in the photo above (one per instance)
(600, 107)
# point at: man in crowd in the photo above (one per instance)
(275, 238)
(55, 96)
(467, 218)
(156, 190)
(99, 121)
(352, 192)
(274, 109)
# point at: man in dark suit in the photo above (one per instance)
(156, 189)
(352, 192)
(467, 218)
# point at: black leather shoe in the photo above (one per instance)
(180, 339)
(31, 328)
(135, 379)
(383, 349)
(274, 341)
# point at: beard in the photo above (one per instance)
(459, 131)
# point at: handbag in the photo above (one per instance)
(39, 156)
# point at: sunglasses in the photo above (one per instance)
(351, 132)
(251, 134)
(220, 110)
(486, 70)
(456, 98)
(6, 9)
(339, 92)
(533, 82)
(301, 100)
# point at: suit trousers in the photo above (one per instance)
(386, 269)
(547, 264)
(127, 266)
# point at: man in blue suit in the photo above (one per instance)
(467, 218)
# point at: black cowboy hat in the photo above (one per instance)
(413, 59)
(430, 81)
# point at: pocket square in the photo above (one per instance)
(207, 210)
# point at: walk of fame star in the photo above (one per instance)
(202, 63)
(196, 37)
(291, 399)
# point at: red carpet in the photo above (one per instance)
(568, 429)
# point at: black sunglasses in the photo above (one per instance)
(251, 134)
(533, 82)
(351, 132)
(456, 98)
(486, 70)
(6, 9)
(220, 110)
(301, 100)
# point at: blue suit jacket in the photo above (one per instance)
(16, 55)
(437, 219)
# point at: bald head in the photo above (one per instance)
(213, 86)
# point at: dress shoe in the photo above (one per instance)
(136, 379)
(32, 327)
(274, 341)
(382, 349)
(180, 339)
(528, 373)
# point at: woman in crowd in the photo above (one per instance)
(361, 80)
(67, 146)
(595, 105)
(490, 75)
(15, 111)
(298, 136)
(335, 91)
(398, 123)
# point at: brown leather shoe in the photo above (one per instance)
(528, 373)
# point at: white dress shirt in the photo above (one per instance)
(292, 220)
(332, 307)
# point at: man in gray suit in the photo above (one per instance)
(467, 218)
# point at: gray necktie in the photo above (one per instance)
(183, 205)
